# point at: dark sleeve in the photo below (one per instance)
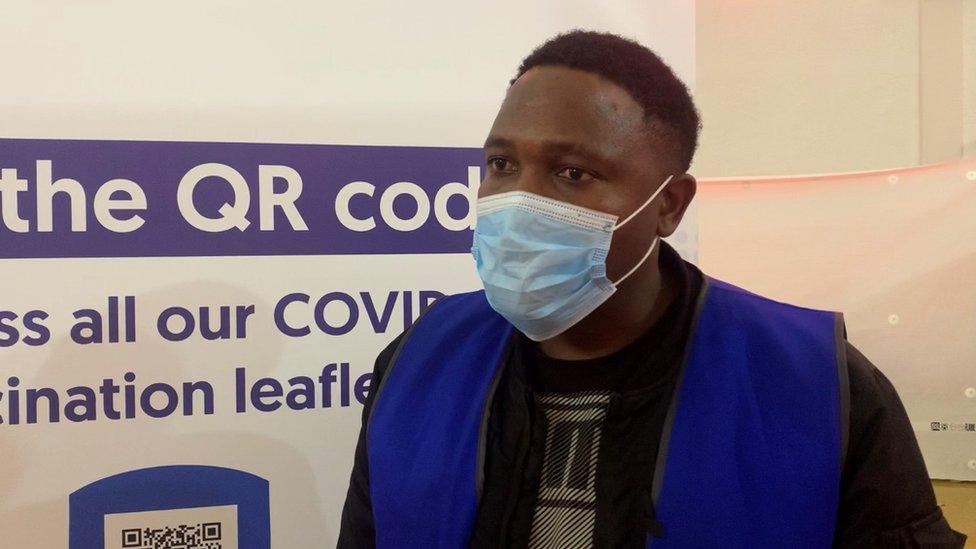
(356, 528)
(886, 497)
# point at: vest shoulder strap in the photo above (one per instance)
(752, 449)
(424, 432)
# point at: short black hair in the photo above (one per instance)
(633, 67)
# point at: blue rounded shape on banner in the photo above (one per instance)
(167, 488)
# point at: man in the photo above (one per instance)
(603, 392)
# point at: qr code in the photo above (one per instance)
(184, 536)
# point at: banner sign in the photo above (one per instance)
(147, 199)
(211, 306)
(191, 294)
(175, 313)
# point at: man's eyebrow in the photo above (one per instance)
(556, 147)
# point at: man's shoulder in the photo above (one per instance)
(744, 295)
(463, 299)
(444, 309)
(886, 494)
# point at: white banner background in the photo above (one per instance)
(301, 72)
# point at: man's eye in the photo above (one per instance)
(499, 164)
(576, 174)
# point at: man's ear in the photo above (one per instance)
(677, 196)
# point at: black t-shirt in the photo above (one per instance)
(640, 379)
(886, 496)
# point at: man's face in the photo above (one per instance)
(576, 137)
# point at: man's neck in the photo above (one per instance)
(632, 310)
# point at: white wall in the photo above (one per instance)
(969, 76)
(833, 85)
(429, 73)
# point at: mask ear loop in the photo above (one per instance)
(644, 205)
(639, 263)
(654, 243)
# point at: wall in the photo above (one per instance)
(837, 86)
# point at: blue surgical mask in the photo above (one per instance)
(543, 261)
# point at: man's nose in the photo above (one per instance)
(533, 180)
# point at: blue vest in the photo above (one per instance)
(750, 454)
